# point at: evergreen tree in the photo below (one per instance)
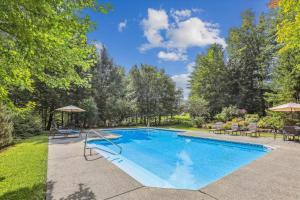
(209, 80)
(250, 60)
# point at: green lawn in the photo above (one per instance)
(184, 127)
(23, 170)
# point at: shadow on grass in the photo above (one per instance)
(83, 193)
(36, 192)
(41, 139)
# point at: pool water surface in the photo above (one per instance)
(161, 158)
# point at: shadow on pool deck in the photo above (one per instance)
(71, 176)
(83, 192)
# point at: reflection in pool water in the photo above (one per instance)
(161, 158)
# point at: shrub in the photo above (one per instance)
(6, 126)
(27, 124)
(198, 122)
(209, 125)
(272, 122)
(250, 118)
(228, 113)
(240, 121)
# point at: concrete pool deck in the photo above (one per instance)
(72, 176)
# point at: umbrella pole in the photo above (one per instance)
(62, 119)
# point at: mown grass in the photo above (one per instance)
(23, 169)
(184, 127)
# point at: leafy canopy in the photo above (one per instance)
(45, 41)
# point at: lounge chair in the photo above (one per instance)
(234, 129)
(290, 131)
(218, 128)
(252, 129)
(65, 132)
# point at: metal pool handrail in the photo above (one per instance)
(104, 138)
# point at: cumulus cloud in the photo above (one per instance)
(122, 25)
(179, 34)
(157, 20)
(180, 14)
(171, 56)
(194, 32)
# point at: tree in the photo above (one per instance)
(44, 41)
(6, 126)
(108, 86)
(209, 80)
(250, 60)
(153, 93)
(90, 116)
(288, 27)
(198, 107)
(286, 75)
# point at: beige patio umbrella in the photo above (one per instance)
(69, 109)
(289, 107)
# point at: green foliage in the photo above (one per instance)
(251, 118)
(27, 124)
(198, 107)
(44, 41)
(286, 76)
(208, 80)
(6, 126)
(271, 122)
(153, 92)
(288, 27)
(24, 169)
(228, 113)
(198, 122)
(250, 50)
(108, 87)
(90, 116)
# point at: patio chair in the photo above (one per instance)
(252, 129)
(290, 131)
(218, 128)
(234, 129)
(65, 132)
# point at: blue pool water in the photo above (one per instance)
(161, 158)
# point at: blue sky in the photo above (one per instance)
(168, 34)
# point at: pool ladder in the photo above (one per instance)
(102, 137)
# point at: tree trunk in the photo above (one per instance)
(49, 121)
(50, 117)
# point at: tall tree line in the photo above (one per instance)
(259, 68)
(112, 95)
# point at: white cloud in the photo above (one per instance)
(194, 32)
(180, 14)
(190, 67)
(171, 56)
(183, 33)
(122, 25)
(157, 20)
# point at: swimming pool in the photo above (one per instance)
(161, 158)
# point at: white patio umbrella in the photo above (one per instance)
(289, 107)
(70, 109)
